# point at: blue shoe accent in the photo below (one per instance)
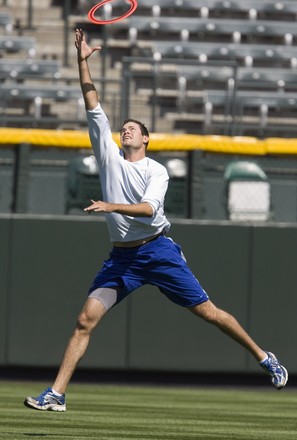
(47, 401)
(277, 372)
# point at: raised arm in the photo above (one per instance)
(83, 53)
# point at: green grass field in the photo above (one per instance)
(122, 412)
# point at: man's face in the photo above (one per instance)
(131, 136)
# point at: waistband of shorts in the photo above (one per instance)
(133, 249)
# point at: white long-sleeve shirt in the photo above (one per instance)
(127, 182)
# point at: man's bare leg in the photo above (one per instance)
(91, 314)
(229, 325)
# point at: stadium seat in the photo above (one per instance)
(161, 28)
(245, 54)
(266, 113)
(206, 29)
(250, 9)
(13, 44)
(257, 113)
(83, 183)
(205, 114)
(52, 91)
(171, 8)
(20, 68)
(280, 10)
(205, 77)
(169, 82)
(249, 78)
(5, 19)
(248, 192)
(38, 104)
(244, 30)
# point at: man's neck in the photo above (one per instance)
(134, 155)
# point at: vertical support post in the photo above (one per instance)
(30, 14)
(125, 95)
(66, 13)
(107, 14)
(189, 184)
(154, 97)
(21, 178)
(234, 107)
(196, 185)
(103, 55)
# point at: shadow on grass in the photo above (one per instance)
(37, 434)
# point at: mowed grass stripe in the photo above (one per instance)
(108, 412)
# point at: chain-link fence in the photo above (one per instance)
(37, 181)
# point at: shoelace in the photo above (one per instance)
(274, 366)
(42, 396)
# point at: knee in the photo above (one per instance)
(207, 311)
(84, 323)
(91, 314)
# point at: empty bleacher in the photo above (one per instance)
(193, 58)
(258, 37)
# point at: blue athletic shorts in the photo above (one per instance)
(160, 263)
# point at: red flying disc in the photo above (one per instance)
(114, 20)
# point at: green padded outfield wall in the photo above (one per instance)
(48, 263)
(165, 336)
(5, 236)
(274, 299)
(52, 265)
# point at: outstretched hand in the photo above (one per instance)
(84, 51)
(99, 206)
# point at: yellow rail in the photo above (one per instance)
(158, 142)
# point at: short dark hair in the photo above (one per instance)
(143, 128)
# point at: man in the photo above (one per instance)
(134, 189)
